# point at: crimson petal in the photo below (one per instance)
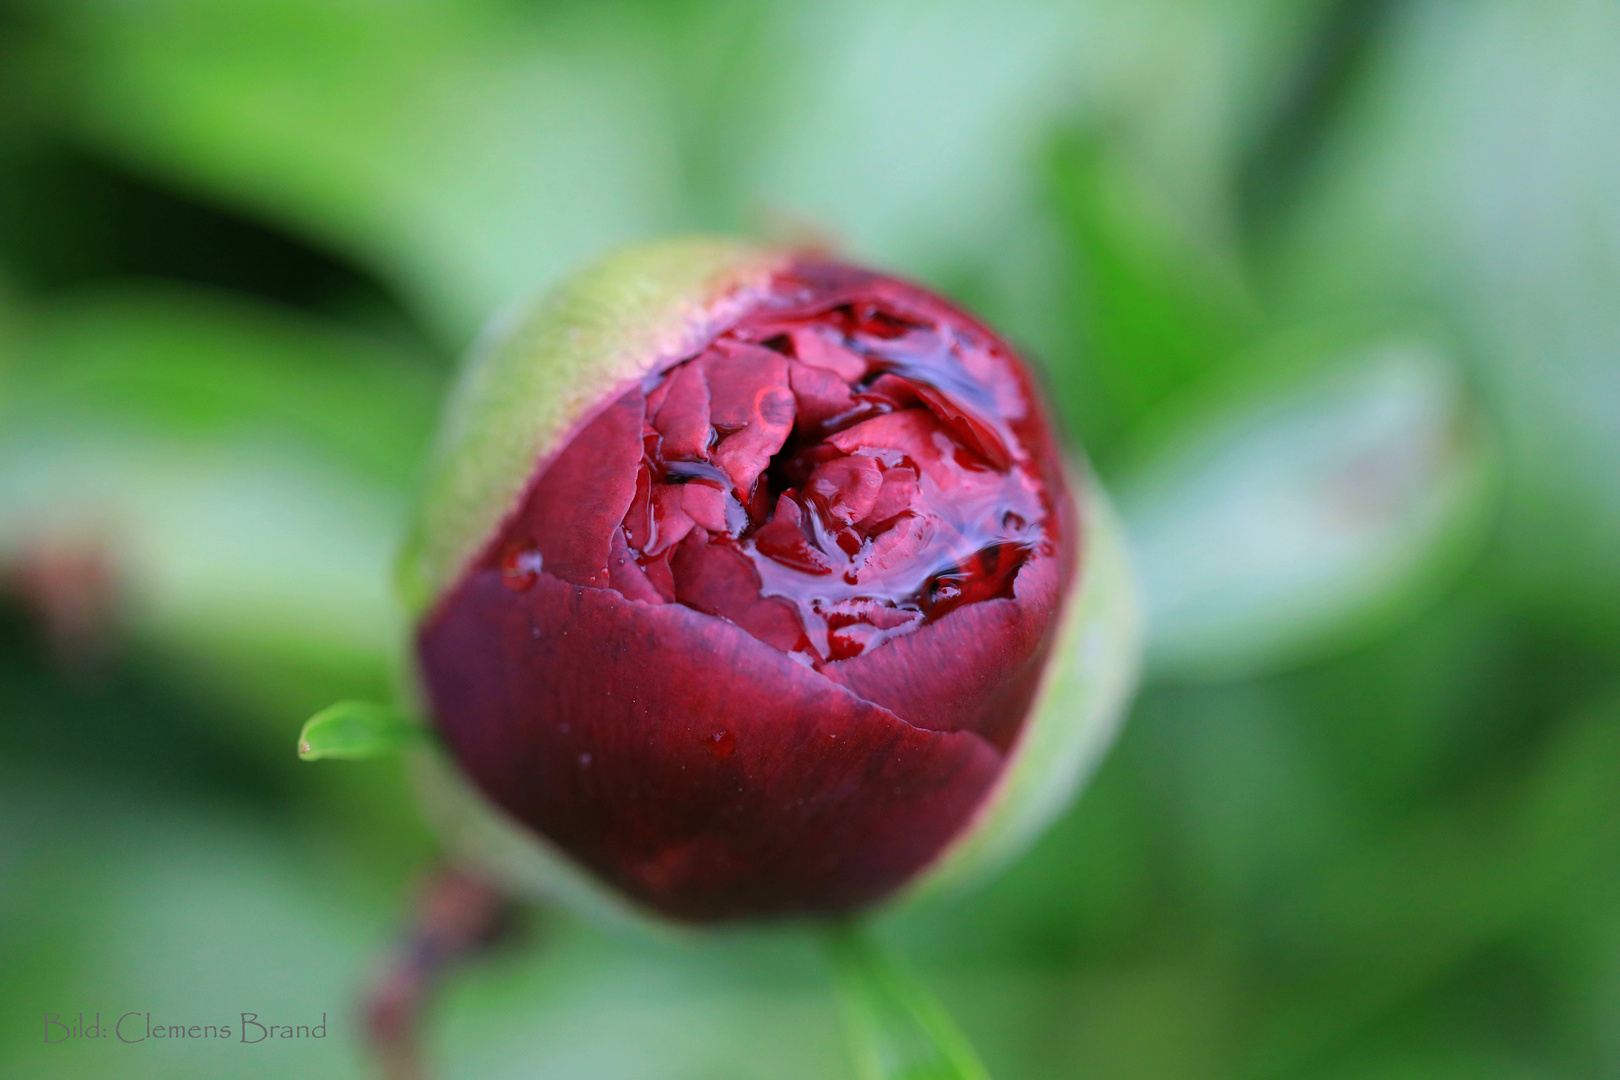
(718, 579)
(590, 718)
(683, 415)
(976, 669)
(590, 484)
(848, 487)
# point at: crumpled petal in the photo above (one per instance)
(718, 579)
(683, 415)
(848, 487)
(748, 396)
(590, 485)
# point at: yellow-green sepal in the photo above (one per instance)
(541, 372)
(1086, 690)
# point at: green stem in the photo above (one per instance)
(897, 1029)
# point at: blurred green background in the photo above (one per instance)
(1328, 289)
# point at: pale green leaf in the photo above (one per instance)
(1277, 524)
(241, 469)
(356, 730)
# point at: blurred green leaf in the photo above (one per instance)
(192, 365)
(473, 151)
(897, 1028)
(1159, 294)
(1407, 908)
(356, 730)
(240, 474)
(191, 912)
(1476, 174)
(1273, 523)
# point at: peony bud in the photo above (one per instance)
(756, 584)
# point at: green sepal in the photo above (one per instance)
(356, 730)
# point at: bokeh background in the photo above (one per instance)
(1328, 289)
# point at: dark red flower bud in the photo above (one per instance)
(763, 623)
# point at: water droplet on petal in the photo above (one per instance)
(521, 568)
(722, 744)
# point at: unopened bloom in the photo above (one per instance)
(751, 582)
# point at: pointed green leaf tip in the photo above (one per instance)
(897, 1030)
(355, 730)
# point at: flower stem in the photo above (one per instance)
(897, 1029)
(455, 917)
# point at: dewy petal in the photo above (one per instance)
(589, 718)
(848, 487)
(741, 378)
(745, 455)
(821, 396)
(717, 579)
(705, 505)
(977, 669)
(783, 538)
(897, 392)
(973, 388)
(683, 415)
(898, 494)
(911, 432)
(671, 521)
(626, 577)
(969, 427)
(895, 547)
(748, 396)
(813, 346)
(638, 520)
(590, 485)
